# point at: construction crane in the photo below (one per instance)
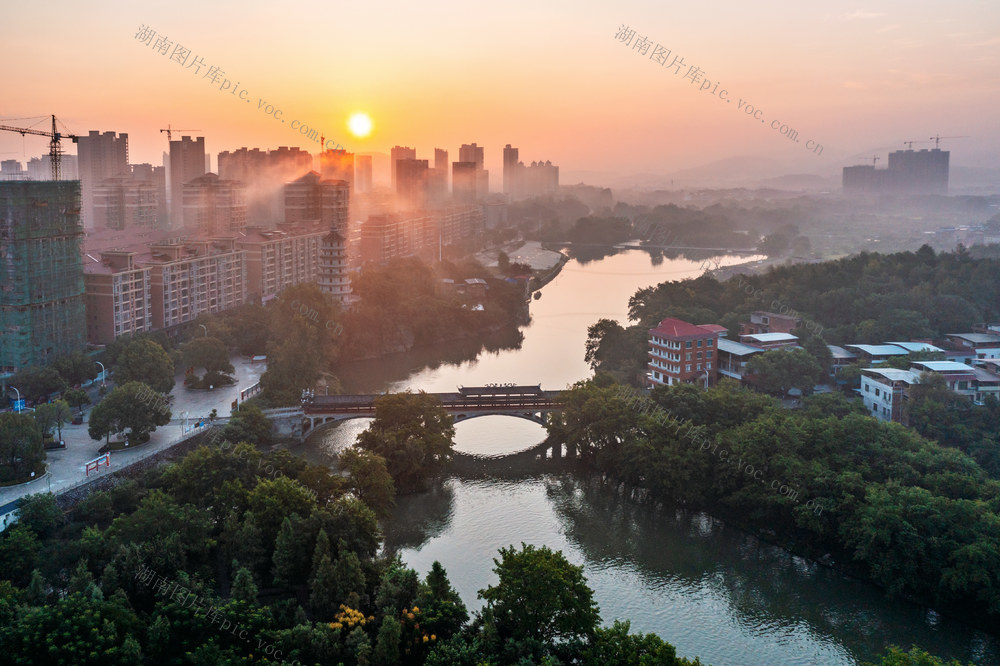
(55, 147)
(169, 130)
(909, 144)
(875, 160)
(937, 139)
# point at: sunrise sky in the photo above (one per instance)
(545, 75)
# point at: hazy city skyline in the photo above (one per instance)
(551, 79)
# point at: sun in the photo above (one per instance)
(360, 125)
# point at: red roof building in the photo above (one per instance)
(680, 352)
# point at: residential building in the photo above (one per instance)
(99, 157)
(536, 180)
(510, 164)
(280, 258)
(885, 391)
(473, 153)
(189, 277)
(118, 296)
(917, 347)
(187, 162)
(399, 153)
(337, 165)
(840, 358)
(311, 199)
(733, 358)
(909, 172)
(959, 377)
(126, 203)
(875, 354)
(768, 341)
(363, 173)
(40, 168)
(12, 170)
(263, 173)
(464, 182)
(682, 353)
(412, 183)
(42, 305)
(983, 345)
(769, 322)
(213, 206)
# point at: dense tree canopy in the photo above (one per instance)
(144, 360)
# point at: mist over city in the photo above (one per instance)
(561, 333)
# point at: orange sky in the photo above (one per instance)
(549, 77)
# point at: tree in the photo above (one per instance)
(443, 614)
(208, 353)
(133, 406)
(41, 513)
(144, 360)
(779, 370)
(37, 383)
(21, 449)
(370, 479)
(244, 589)
(248, 424)
(413, 433)
(77, 398)
(503, 261)
(51, 414)
(75, 368)
(539, 598)
(386, 652)
(285, 558)
(615, 645)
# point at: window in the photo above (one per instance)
(699, 343)
(698, 367)
(708, 343)
(876, 393)
(687, 368)
(688, 344)
(866, 388)
(708, 366)
(688, 357)
(708, 354)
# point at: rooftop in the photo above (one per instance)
(675, 328)
(737, 348)
(840, 352)
(943, 366)
(894, 375)
(916, 346)
(771, 337)
(880, 350)
(976, 338)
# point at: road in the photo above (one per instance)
(67, 466)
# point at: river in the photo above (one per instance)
(711, 590)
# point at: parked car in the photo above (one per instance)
(78, 419)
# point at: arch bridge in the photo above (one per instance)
(468, 402)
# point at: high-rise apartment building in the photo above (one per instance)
(313, 200)
(124, 203)
(909, 172)
(41, 273)
(464, 181)
(411, 183)
(99, 157)
(337, 165)
(214, 206)
(509, 168)
(187, 162)
(399, 153)
(278, 259)
(363, 173)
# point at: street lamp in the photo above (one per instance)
(103, 372)
(17, 405)
(205, 329)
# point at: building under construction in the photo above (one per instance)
(42, 313)
(909, 172)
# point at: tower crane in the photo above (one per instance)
(909, 144)
(55, 147)
(937, 139)
(169, 130)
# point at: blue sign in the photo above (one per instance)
(19, 405)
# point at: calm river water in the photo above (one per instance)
(711, 590)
